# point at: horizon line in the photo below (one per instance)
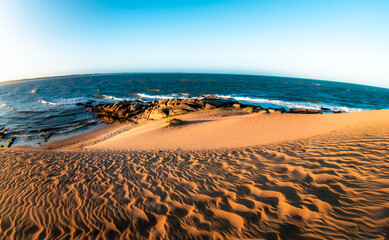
(209, 73)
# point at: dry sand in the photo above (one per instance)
(255, 176)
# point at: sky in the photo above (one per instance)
(336, 40)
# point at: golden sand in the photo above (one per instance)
(276, 176)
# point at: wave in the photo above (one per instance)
(162, 97)
(108, 97)
(46, 133)
(263, 102)
(285, 104)
(77, 127)
(218, 96)
(65, 101)
(8, 107)
(142, 95)
(34, 91)
(266, 103)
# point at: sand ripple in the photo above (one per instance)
(329, 187)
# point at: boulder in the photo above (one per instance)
(297, 110)
(312, 111)
(157, 114)
(304, 111)
(249, 109)
(135, 107)
(185, 106)
(201, 103)
(173, 122)
(340, 111)
(236, 105)
(209, 106)
(192, 101)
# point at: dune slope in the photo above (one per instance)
(222, 129)
(331, 186)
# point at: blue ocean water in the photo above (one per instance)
(42, 110)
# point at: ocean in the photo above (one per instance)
(47, 109)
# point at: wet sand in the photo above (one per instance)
(220, 175)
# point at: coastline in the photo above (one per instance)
(215, 129)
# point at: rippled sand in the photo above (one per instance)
(331, 186)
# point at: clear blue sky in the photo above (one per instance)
(338, 40)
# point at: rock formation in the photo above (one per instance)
(123, 112)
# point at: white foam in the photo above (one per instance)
(285, 104)
(8, 107)
(263, 102)
(64, 101)
(112, 98)
(162, 97)
(216, 96)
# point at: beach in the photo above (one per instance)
(221, 174)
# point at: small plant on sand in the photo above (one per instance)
(173, 122)
(249, 109)
(10, 142)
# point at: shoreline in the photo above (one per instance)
(203, 131)
(88, 138)
(214, 129)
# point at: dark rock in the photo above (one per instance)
(312, 111)
(3, 132)
(173, 122)
(303, 111)
(338, 111)
(297, 110)
(186, 107)
(209, 106)
(123, 112)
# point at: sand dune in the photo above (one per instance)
(225, 129)
(332, 184)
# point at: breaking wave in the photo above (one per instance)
(65, 101)
(263, 102)
(162, 97)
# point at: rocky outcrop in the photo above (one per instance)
(122, 112)
(304, 111)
